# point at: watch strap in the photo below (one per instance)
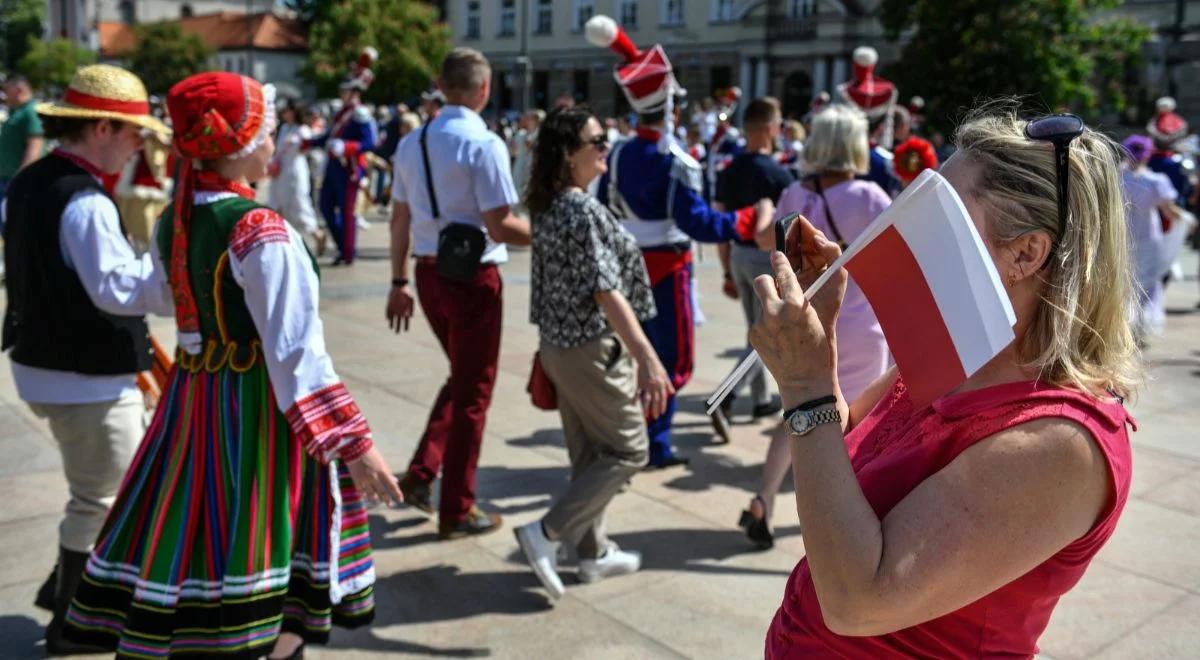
(811, 405)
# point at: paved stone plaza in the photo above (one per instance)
(703, 593)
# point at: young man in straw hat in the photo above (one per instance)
(77, 294)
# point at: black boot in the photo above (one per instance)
(70, 572)
(45, 594)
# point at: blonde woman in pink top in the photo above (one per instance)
(841, 206)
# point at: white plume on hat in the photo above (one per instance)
(1165, 104)
(866, 56)
(600, 30)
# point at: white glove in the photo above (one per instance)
(337, 147)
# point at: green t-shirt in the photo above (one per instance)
(23, 123)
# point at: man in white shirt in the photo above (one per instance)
(77, 294)
(472, 185)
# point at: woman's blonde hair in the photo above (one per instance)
(410, 121)
(837, 141)
(794, 130)
(1081, 335)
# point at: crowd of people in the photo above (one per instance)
(233, 522)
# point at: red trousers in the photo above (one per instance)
(466, 317)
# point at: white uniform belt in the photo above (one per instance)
(655, 233)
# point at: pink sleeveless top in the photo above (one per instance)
(896, 448)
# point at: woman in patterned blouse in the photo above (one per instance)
(590, 295)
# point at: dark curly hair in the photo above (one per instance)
(557, 139)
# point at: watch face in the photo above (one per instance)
(800, 422)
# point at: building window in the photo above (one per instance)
(672, 12)
(801, 8)
(581, 85)
(128, 12)
(720, 79)
(581, 11)
(723, 10)
(545, 17)
(186, 10)
(541, 89)
(508, 18)
(627, 13)
(473, 19)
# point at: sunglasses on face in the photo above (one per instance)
(1058, 130)
(600, 142)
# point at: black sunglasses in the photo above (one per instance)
(600, 142)
(1058, 130)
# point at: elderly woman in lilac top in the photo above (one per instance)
(841, 206)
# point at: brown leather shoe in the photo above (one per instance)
(416, 493)
(477, 523)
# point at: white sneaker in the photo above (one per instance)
(542, 555)
(363, 223)
(612, 563)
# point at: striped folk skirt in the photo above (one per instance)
(225, 532)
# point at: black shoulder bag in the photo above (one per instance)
(460, 246)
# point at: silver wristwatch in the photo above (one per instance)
(802, 422)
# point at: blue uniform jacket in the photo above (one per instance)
(661, 187)
(357, 131)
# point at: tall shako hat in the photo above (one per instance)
(646, 77)
(360, 75)
(1167, 127)
(868, 92)
(216, 115)
(102, 91)
(729, 102)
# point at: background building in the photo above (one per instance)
(267, 46)
(788, 48)
(791, 49)
(79, 20)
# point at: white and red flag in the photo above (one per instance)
(932, 284)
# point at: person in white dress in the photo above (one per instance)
(1150, 198)
(291, 187)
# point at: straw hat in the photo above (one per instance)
(101, 91)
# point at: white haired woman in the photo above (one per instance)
(841, 206)
(926, 528)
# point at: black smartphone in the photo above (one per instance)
(781, 230)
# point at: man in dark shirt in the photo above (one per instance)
(753, 175)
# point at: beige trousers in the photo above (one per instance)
(97, 441)
(605, 432)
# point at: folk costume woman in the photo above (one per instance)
(241, 523)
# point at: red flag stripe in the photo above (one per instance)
(888, 273)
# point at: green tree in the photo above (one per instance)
(408, 35)
(164, 55)
(19, 20)
(1057, 54)
(51, 64)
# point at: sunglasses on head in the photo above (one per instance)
(1058, 130)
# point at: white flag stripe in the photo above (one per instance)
(986, 282)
